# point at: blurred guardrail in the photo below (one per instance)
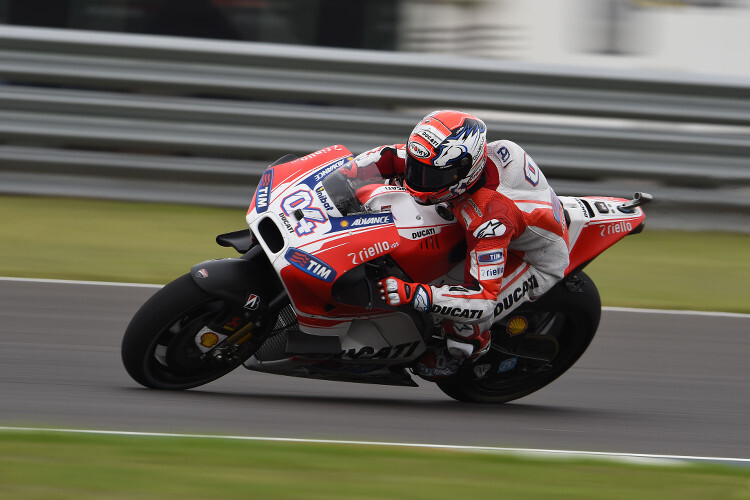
(196, 121)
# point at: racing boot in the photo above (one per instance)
(463, 342)
(436, 364)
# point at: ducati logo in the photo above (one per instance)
(202, 273)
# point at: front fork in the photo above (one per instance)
(253, 295)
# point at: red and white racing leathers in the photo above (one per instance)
(516, 236)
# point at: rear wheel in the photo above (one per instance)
(529, 353)
(168, 343)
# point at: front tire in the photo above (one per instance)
(561, 327)
(159, 349)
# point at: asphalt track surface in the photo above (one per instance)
(651, 383)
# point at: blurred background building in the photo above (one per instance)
(703, 36)
(333, 23)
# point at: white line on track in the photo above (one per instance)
(605, 308)
(524, 451)
(78, 282)
(677, 311)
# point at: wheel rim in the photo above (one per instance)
(174, 358)
(528, 375)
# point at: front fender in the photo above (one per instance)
(233, 278)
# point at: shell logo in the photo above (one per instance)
(209, 339)
(517, 325)
(344, 223)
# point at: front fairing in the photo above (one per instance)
(307, 238)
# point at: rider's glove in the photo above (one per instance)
(350, 169)
(396, 292)
(374, 156)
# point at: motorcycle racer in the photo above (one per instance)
(516, 234)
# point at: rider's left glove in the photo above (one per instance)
(396, 292)
(350, 169)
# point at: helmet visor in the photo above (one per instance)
(423, 177)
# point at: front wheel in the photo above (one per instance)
(162, 349)
(557, 329)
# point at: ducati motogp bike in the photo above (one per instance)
(302, 300)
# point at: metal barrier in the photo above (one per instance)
(172, 119)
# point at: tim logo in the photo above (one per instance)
(310, 265)
(263, 194)
(490, 257)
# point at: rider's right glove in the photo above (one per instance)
(396, 292)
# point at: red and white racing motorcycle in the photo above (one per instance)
(302, 300)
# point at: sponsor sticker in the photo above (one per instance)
(517, 326)
(206, 339)
(423, 233)
(480, 371)
(504, 155)
(490, 264)
(492, 272)
(516, 295)
(358, 221)
(615, 228)
(531, 171)
(263, 193)
(456, 312)
(418, 151)
(431, 134)
(252, 302)
(209, 339)
(323, 151)
(489, 229)
(328, 169)
(233, 324)
(310, 265)
(507, 365)
(374, 250)
(320, 192)
(490, 256)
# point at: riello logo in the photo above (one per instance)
(310, 265)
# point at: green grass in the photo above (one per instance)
(50, 465)
(154, 243)
(676, 270)
(109, 241)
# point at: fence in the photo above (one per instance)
(196, 121)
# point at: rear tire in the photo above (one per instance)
(561, 327)
(159, 349)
